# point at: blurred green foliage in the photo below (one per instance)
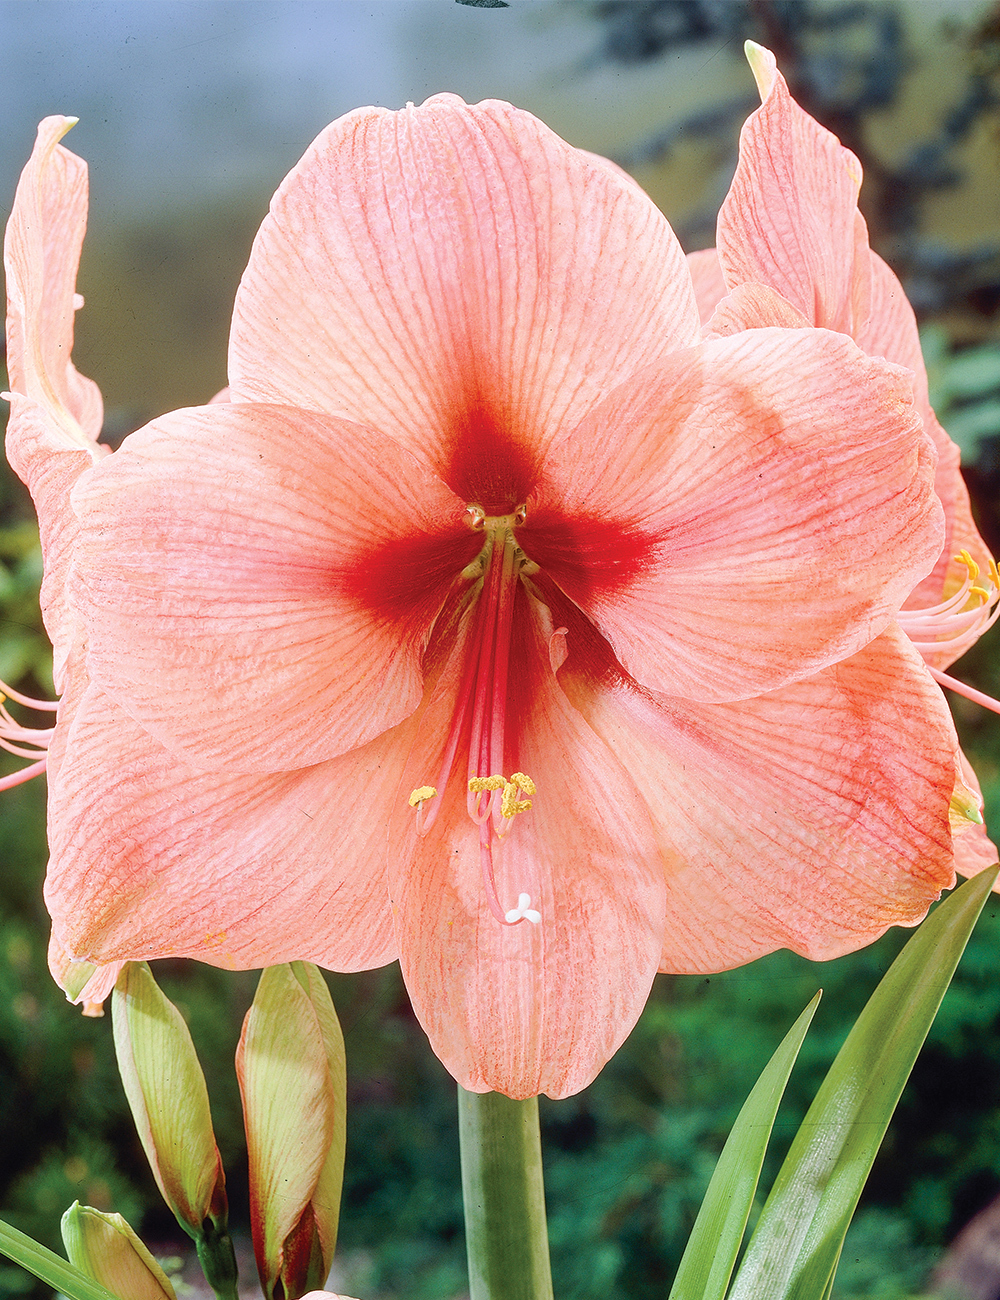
(627, 1161)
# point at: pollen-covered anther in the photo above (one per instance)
(477, 784)
(421, 794)
(510, 804)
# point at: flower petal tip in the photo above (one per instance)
(763, 66)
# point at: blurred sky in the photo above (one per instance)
(193, 110)
(190, 98)
(221, 94)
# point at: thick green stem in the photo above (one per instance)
(505, 1229)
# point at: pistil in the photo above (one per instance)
(492, 800)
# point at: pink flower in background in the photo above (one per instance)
(793, 250)
(55, 417)
(499, 623)
(55, 413)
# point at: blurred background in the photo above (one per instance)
(190, 114)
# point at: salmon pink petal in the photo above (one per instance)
(709, 283)
(791, 219)
(259, 583)
(891, 332)
(528, 1008)
(455, 275)
(753, 306)
(717, 519)
(55, 412)
(41, 256)
(812, 818)
(236, 871)
(82, 982)
(974, 851)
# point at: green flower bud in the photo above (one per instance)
(293, 1078)
(166, 1091)
(105, 1248)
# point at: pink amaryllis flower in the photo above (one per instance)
(500, 623)
(793, 250)
(55, 418)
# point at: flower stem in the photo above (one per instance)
(505, 1229)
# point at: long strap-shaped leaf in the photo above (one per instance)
(710, 1254)
(795, 1247)
(41, 1261)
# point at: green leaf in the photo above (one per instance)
(710, 1254)
(794, 1251)
(45, 1264)
(968, 425)
(973, 373)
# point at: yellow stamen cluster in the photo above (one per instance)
(510, 804)
(421, 793)
(972, 568)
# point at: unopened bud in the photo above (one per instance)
(105, 1248)
(166, 1092)
(293, 1079)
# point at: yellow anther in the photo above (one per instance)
(510, 805)
(963, 557)
(994, 573)
(477, 784)
(421, 793)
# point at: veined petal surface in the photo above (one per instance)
(717, 519)
(709, 283)
(811, 818)
(542, 1007)
(791, 216)
(891, 332)
(791, 222)
(455, 275)
(259, 582)
(56, 413)
(236, 871)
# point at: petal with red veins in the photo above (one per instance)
(753, 306)
(258, 583)
(790, 218)
(55, 412)
(235, 871)
(974, 850)
(717, 518)
(49, 465)
(456, 275)
(709, 283)
(891, 332)
(41, 255)
(812, 818)
(526, 1008)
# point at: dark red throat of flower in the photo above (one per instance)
(493, 800)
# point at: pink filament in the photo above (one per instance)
(24, 742)
(484, 691)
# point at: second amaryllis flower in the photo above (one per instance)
(498, 623)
